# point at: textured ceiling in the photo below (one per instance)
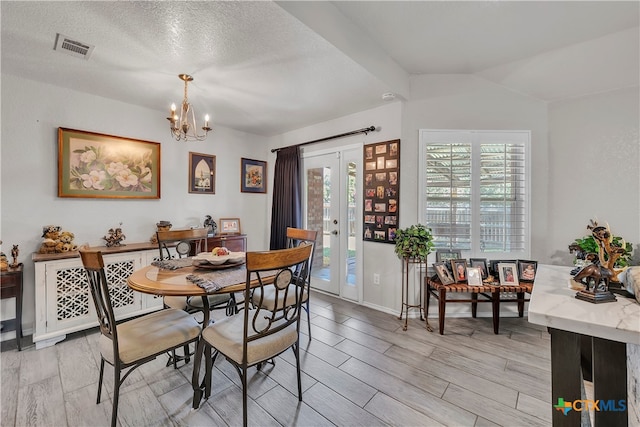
(267, 68)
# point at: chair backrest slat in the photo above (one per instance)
(94, 266)
(196, 235)
(298, 236)
(290, 267)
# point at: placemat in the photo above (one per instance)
(173, 264)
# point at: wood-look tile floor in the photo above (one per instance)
(360, 369)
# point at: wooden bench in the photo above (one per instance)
(485, 293)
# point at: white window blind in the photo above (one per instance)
(475, 190)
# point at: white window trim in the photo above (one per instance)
(467, 136)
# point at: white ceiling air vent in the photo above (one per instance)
(73, 47)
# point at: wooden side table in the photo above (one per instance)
(11, 287)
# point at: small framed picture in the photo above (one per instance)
(253, 177)
(474, 276)
(447, 254)
(368, 152)
(493, 265)
(202, 173)
(380, 164)
(508, 272)
(459, 267)
(481, 263)
(229, 225)
(443, 273)
(527, 270)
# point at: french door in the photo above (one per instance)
(332, 206)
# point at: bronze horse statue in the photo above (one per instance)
(596, 273)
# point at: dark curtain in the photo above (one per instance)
(287, 190)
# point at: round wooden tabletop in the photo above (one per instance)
(156, 281)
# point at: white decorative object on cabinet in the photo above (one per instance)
(63, 300)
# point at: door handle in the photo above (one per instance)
(334, 232)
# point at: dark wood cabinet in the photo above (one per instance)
(233, 242)
(11, 287)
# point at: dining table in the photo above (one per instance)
(180, 277)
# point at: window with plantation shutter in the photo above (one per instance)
(474, 191)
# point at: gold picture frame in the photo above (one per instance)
(229, 226)
(95, 165)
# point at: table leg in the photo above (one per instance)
(19, 318)
(205, 386)
(474, 305)
(495, 308)
(610, 382)
(520, 296)
(565, 377)
(442, 302)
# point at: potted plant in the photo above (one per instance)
(414, 242)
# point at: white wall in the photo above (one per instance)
(594, 159)
(31, 114)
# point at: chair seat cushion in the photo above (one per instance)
(226, 335)
(269, 302)
(150, 335)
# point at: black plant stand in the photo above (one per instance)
(406, 263)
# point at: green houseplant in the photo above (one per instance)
(414, 242)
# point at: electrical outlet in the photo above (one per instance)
(376, 279)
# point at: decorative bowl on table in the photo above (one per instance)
(205, 259)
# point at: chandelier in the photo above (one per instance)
(184, 127)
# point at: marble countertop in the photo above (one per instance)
(553, 304)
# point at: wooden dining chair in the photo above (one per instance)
(295, 237)
(255, 335)
(184, 240)
(130, 344)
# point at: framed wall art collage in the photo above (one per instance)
(381, 191)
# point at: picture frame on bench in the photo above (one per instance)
(527, 270)
(508, 272)
(447, 255)
(474, 276)
(481, 263)
(443, 273)
(459, 268)
(493, 265)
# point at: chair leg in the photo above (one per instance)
(296, 351)
(308, 319)
(116, 394)
(244, 397)
(187, 356)
(100, 380)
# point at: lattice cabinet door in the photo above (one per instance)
(69, 303)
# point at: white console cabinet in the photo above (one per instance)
(63, 299)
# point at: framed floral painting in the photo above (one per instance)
(253, 177)
(93, 165)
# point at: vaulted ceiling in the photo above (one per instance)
(270, 67)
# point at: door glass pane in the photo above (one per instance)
(319, 218)
(351, 223)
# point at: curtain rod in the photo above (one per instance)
(353, 132)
